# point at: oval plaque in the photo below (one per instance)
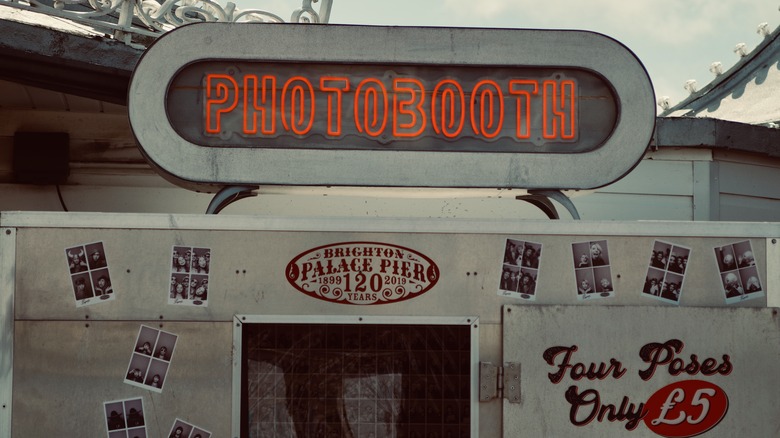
(362, 273)
(686, 409)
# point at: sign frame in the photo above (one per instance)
(238, 375)
(209, 169)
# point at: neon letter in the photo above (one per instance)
(265, 104)
(410, 109)
(297, 89)
(523, 88)
(488, 96)
(335, 86)
(219, 90)
(448, 95)
(565, 110)
(374, 119)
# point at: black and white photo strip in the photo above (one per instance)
(592, 270)
(666, 272)
(88, 268)
(520, 269)
(738, 272)
(151, 358)
(125, 418)
(182, 429)
(189, 276)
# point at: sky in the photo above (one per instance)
(676, 40)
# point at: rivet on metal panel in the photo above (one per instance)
(86, 316)
(8, 232)
(128, 271)
(243, 318)
(774, 241)
(86, 325)
(161, 317)
(508, 310)
(468, 274)
(475, 274)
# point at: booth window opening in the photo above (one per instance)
(355, 380)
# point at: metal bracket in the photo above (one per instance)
(499, 382)
(541, 199)
(228, 195)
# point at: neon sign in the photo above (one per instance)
(217, 104)
(405, 104)
(407, 107)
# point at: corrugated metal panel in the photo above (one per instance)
(46, 100)
(656, 177)
(737, 208)
(13, 95)
(749, 180)
(82, 104)
(17, 96)
(620, 207)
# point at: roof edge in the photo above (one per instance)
(689, 104)
(46, 58)
(717, 134)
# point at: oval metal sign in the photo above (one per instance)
(686, 409)
(218, 104)
(362, 273)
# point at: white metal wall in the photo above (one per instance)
(669, 184)
(70, 359)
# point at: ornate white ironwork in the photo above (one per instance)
(129, 20)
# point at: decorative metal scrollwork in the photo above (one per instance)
(124, 19)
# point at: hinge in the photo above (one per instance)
(512, 382)
(488, 381)
(496, 381)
